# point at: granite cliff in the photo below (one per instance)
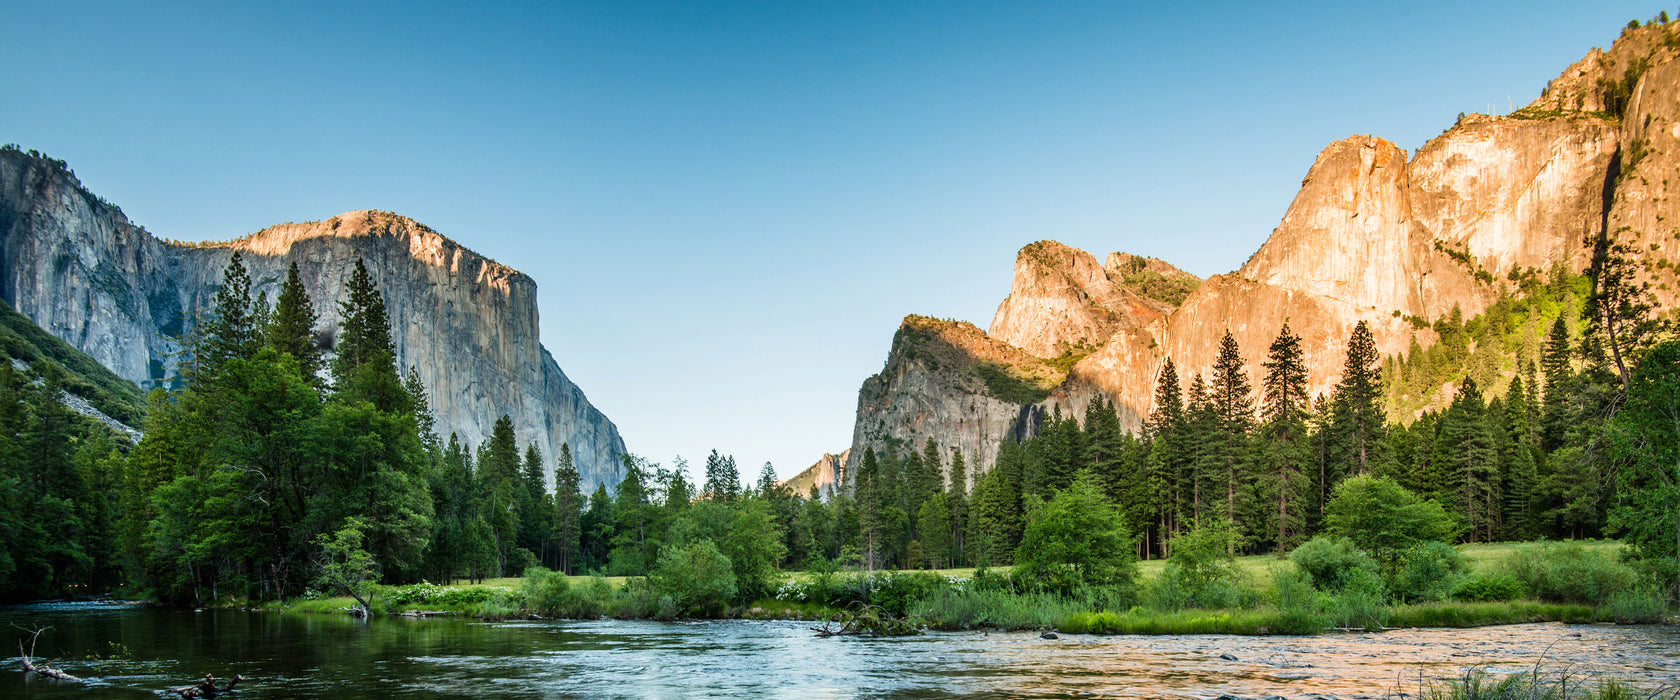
(77, 266)
(1374, 234)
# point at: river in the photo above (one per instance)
(295, 655)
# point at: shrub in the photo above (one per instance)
(545, 591)
(1487, 587)
(1637, 606)
(1300, 606)
(1201, 572)
(1360, 602)
(1383, 518)
(697, 576)
(1329, 560)
(1428, 571)
(894, 593)
(1077, 539)
(1569, 573)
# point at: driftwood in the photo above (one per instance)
(870, 621)
(29, 665)
(207, 688)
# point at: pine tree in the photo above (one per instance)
(1517, 455)
(1233, 407)
(1465, 463)
(292, 327)
(365, 367)
(498, 477)
(957, 492)
(872, 524)
(1285, 435)
(231, 331)
(1555, 367)
(1359, 441)
(1168, 452)
(1619, 311)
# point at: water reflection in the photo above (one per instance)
(312, 655)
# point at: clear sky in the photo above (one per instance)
(728, 207)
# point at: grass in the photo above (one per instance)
(1456, 614)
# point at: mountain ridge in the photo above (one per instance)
(77, 267)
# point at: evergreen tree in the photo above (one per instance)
(568, 511)
(1465, 464)
(1359, 441)
(1285, 445)
(1619, 311)
(1555, 367)
(498, 477)
(231, 331)
(365, 368)
(957, 493)
(1518, 456)
(292, 327)
(1168, 451)
(1233, 407)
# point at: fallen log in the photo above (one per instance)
(207, 688)
(29, 664)
(43, 669)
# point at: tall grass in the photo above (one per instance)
(1477, 684)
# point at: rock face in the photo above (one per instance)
(821, 476)
(76, 266)
(1371, 236)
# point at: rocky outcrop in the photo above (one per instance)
(949, 382)
(1371, 236)
(77, 267)
(1063, 302)
(821, 476)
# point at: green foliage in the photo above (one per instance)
(1202, 573)
(1077, 539)
(1429, 571)
(1632, 606)
(698, 578)
(1009, 387)
(1330, 561)
(345, 565)
(1488, 587)
(1567, 572)
(1384, 519)
(74, 370)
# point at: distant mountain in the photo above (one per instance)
(76, 266)
(1400, 241)
(822, 476)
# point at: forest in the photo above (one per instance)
(272, 473)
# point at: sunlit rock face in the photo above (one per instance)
(1373, 235)
(819, 478)
(467, 324)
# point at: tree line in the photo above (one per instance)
(254, 474)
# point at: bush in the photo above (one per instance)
(1384, 519)
(697, 576)
(1428, 571)
(1329, 560)
(1300, 606)
(894, 593)
(1201, 572)
(546, 592)
(1637, 606)
(1485, 587)
(1077, 539)
(1569, 573)
(1360, 603)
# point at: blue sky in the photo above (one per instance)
(728, 207)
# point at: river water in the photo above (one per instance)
(294, 655)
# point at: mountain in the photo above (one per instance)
(821, 476)
(1375, 234)
(76, 266)
(88, 387)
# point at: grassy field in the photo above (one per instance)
(1257, 567)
